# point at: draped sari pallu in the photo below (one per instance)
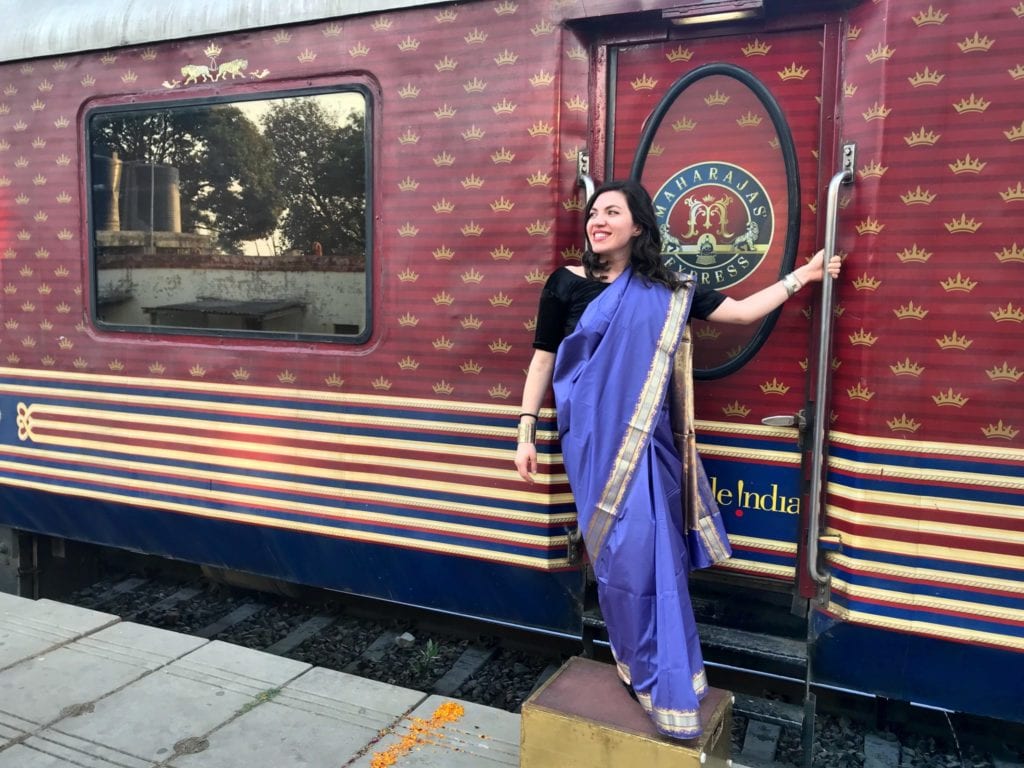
(623, 395)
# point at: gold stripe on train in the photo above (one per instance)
(536, 562)
(477, 507)
(910, 500)
(972, 532)
(890, 472)
(931, 575)
(995, 453)
(75, 434)
(17, 376)
(919, 601)
(957, 554)
(930, 629)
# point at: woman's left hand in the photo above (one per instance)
(812, 270)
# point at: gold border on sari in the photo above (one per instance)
(638, 432)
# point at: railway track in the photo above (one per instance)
(480, 663)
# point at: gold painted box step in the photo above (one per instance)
(583, 717)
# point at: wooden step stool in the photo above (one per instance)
(583, 717)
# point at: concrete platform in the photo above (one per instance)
(81, 688)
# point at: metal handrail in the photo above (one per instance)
(819, 418)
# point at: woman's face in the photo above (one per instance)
(610, 226)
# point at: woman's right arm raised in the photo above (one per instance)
(538, 380)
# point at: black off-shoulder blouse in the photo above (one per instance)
(566, 295)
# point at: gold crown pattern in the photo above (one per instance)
(679, 53)
(716, 99)
(737, 409)
(862, 338)
(876, 112)
(1004, 373)
(903, 423)
(774, 387)
(910, 311)
(869, 226)
(866, 283)
(963, 224)
(443, 387)
(960, 283)
(1000, 431)
(1013, 194)
(931, 16)
(1010, 253)
(954, 341)
(950, 398)
(971, 103)
(756, 48)
(749, 120)
(925, 77)
(1008, 314)
(499, 392)
(874, 169)
(907, 368)
(879, 53)
(859, 392)
(794, 72)
(975, 44)
(542, 79)
(918, 197)
(644, 83)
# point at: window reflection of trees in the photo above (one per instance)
(249, 216)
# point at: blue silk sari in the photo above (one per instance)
(622, 393)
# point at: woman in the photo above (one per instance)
(606, 339)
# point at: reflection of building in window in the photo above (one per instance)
(203, 217)
(179, 282)
(253, 315)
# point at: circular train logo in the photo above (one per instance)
(716, 221)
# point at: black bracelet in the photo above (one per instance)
(534, 415)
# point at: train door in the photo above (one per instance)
(732, 132)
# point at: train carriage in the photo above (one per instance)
(270, 278)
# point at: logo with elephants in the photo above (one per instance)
(716, 221)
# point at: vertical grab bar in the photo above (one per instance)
(821, 387)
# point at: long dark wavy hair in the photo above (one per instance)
(645, 248)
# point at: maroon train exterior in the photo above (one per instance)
(270, 281)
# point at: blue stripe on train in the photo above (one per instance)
(912, 613)
(925, 670)
(957, 465)
(461, 585)
(952, 566)
(929, 588)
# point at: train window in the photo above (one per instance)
(233, 217)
